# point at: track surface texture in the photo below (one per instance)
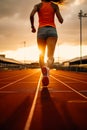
(27, 105)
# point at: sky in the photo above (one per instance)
(17, 41)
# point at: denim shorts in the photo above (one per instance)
(47, 31)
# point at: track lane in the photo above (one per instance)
(60, 107)
(76, 83)
(30, 116)
(18, 99)
(75, 79)
(57, 107)
(11, 73)
(14, 79)
(69, 87)
(74, 75)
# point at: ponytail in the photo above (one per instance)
(57, 1)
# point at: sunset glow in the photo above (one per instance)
(31, 54)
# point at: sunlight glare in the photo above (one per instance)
(66, 51)
(28, 53)
(31, 53)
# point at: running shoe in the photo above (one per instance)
(45, 78)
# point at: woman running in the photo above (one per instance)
(47, 33)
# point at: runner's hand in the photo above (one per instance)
(33, 30)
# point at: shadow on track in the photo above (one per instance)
(17, 120)
(51, 116)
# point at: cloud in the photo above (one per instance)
(71, 25)
(78, 2)
(10, 7)
(15, 25)
(13, 30)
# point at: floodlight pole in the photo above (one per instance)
(80, 15)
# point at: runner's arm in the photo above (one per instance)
(59, 15)
(32, 18)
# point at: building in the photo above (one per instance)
(7, 63)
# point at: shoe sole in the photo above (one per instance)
(45, 80)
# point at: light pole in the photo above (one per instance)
(80, 15)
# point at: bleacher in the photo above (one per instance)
(7, 63)
(76, 64)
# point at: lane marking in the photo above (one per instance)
(30, 116)
(10, 77)
(71, 78)
(77, 101)
(69, 87)
(16, 81)
(20, 74)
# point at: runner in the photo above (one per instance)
(46, 34)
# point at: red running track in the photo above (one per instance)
(26, 105)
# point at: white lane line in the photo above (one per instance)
(16, 81)
(30, 116)
(72, 78)
(69, 87)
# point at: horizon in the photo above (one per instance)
(58, 58)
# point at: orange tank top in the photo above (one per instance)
(46, 15)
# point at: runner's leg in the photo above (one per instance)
(51, 43)
(42, 47)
